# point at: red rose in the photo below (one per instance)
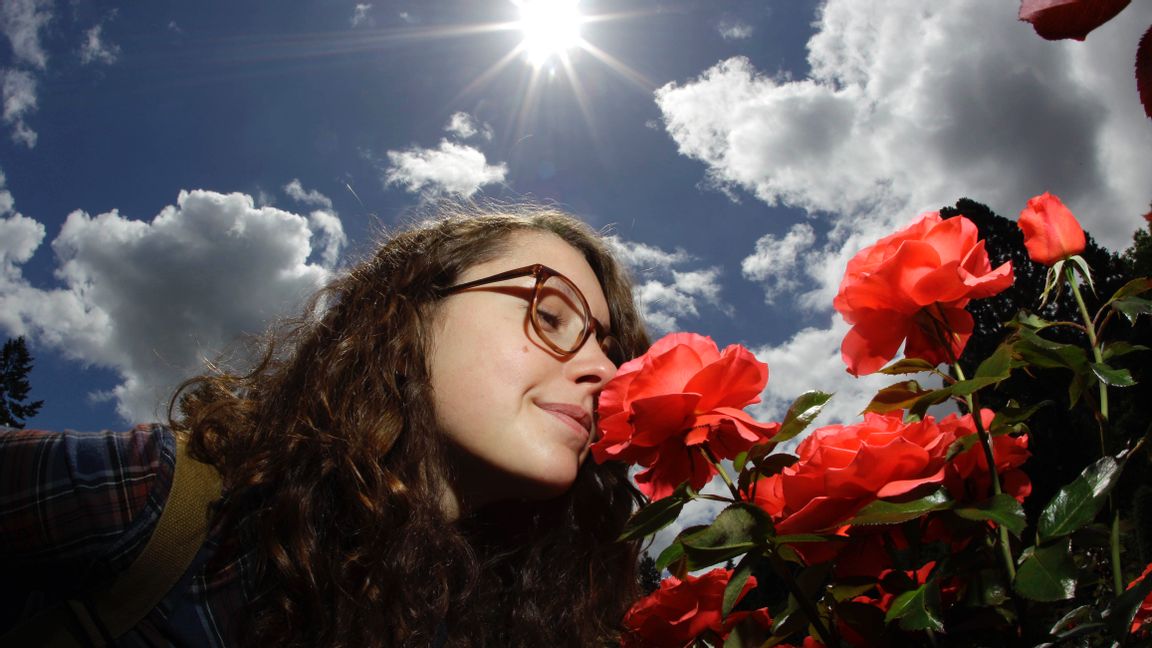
(968, 477)
(1057, 19)
(681, 610)
(1051, 232)
(682, 395)
(913, 285)
(1142, 622)
(843, 468)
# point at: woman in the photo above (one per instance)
(407, 466)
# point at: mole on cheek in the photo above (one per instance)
(524, 349)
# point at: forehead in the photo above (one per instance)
(527, 247)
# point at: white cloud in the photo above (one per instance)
(664, 294)
(734, 30)
(904, 111)
(94, 49)
(776, 262)
(464, 126)
(18, 91)
(295, 191)
(361, 16)
(451, 168)
(21, 21)
(152, 300)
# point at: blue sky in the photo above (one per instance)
(175, 174)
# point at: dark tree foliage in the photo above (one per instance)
(1063, 439)
(648, 576)
(15, 363)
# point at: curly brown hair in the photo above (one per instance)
(333, 468)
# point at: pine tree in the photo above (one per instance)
(648, 576)
(15, 364)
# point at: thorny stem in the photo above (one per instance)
(1097, 354)
(986, 444)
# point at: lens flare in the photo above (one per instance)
(550, 28)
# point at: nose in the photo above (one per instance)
(590, 365)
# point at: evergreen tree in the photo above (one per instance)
(15, 363)
(1063, 438)
(648, 577)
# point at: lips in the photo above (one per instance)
(574, 416)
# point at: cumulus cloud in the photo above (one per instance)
(361, 16)
(153, 299)
(665, 294)
(94, 49)
(18, 92)
(450, 168)
(776, 262)
(904, 111)
(464, 126)
(21, 22)
(734, 30)
(295, 190)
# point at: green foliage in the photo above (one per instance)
(15, 364)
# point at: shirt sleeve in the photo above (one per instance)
(77, 507)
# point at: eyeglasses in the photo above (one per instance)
(557, 310)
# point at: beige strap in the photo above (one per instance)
(105, 615)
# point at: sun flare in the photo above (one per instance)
(550, 28)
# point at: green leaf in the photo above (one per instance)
(1133, 307)
(1013, 414)
(1112, 376)
(738, 529)
(1135, 287)
(885, 512)
(897, 396)
(1077, 617)
(1048, 354)
(671, 554)
(1027, 320)
(1121, 348)
(907, 366)
(998, 365)
(1123, 609)
(1077, 504)
(1047, 573)
(1003, 509)
(960, 445)
(736, 583)
(802, 412)
(972, 385)
(658, 514)
(764, 466)
(916, 609)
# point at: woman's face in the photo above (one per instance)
(518, 414)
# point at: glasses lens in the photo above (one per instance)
(560, 313)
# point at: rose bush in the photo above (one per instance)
(911, 287)
(683, 609)
(1051, 232)
(681, 397)
(901, 528)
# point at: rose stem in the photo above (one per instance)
(986, 444)
(806, 605)
(1114, 535)
(723, 473)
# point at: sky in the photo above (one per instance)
(176, 175)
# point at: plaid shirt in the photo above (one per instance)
(75, 511)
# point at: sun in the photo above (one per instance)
(550, 28)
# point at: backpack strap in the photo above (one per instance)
(98, 618)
